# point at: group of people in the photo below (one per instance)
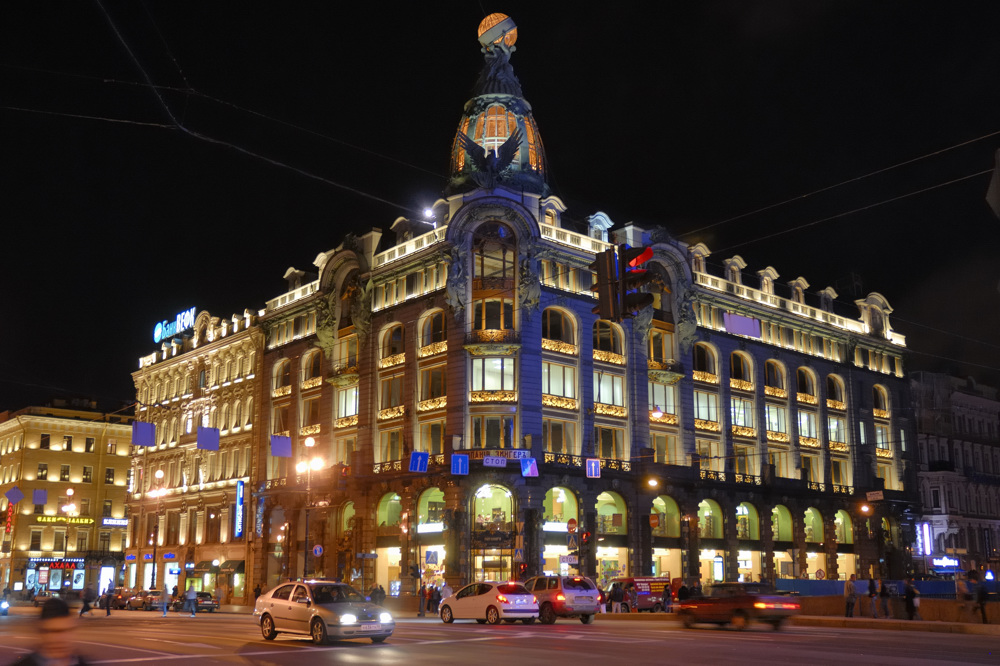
(878, 595)
(377, 594)
(429, 597)
(970, 593)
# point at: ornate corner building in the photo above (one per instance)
(739, 422)
(72, 534)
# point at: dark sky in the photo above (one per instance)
(682, 115)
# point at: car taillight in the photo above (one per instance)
(560, 597)
(534, 599)
(502, 599)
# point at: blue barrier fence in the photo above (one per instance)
(942, 589)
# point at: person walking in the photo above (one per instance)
(191, 599)
(683, 593)
(421, 595)
(873, 597)
(446, 590)
(435, 599)
(850, 596)
(883, 595)
(88, 596)
(912, 600)
(165, 602)
(109, 596)
(56, 637)
(617, 596)
(981, 595)
(256, 592)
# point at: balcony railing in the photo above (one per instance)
(493, 335)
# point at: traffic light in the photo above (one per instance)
(605, 265)
(523, 569)
(414, 573)
(585, 539)
(631, 278)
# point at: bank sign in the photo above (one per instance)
(167, 329)
(238, 519)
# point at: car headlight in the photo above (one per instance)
(7, 605)
(348, 618)
(384, 618)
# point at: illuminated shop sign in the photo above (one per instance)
(238, 520)
(510, 454)
(42, 562)
(944, 562)
(72, 520)
(166, 329)
(114, 522)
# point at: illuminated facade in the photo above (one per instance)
(79, 457)
(188, 507)
(761, 412)
(958, 436)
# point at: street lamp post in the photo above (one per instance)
(154, 493)
(308, 467)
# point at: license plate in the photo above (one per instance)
(371, 626)
(583, 600)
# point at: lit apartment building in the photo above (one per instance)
(74, 536)
(959, 448)
(188, 506)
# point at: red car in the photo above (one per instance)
(738, 604)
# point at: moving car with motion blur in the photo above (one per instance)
(738, 605)
(489, 603)
(323, 610)
(565, 596)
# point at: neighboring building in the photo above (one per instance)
(187, 522)
(958, 436)
(79, 457)
(737, 427)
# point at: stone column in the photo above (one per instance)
(767, 544)
(799, 540)
(830, 547)
(729, 533)
(530, 512)
(690, 540)
(458, 565)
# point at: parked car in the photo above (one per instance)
(651, 594)
(120, 597)
(153, 600)
(321, 609)
(205, 602)
(738, 604)
(490, 603)
(565, 596)
(137, 600)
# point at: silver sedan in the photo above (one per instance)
(323, 610)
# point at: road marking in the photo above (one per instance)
(201, 645)
(127, 647)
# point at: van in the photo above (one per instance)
(651, 594)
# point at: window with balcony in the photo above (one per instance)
(493, 314)
(774, 375)
(880, 401)
(807, 424)
(742, 412)
(493, 373)
(435, 329)
(706, 406)
(607, 337)
(392, 341)
(494, 250)
(882, 437)
(282, 374)
(312, 365)
(665, 448)
(347, 402)
(310, 412)
(609, 442)
(837, 429)
(558, 380)
(661, 346)
(493, 432)
(708, 455)
(704, 359)
(347, 352)
(739, 368)
(432, 382)
(556, 325)
(431, 437)
(609, 388)
(835, 390)
(838, 472)
(810, 469)
(662, 397)
(391, 391)
(559, 436)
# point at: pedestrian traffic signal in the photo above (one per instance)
(631, 278)
(523, 567)
(606, 268)
(414, 573)
(585, 539)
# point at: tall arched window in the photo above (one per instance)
(557, 326)
(494, 251)
(311, 365)
(704, 359)
(607, 337)
(434, 329)
(739, 367)
(834, 388)
(392, 341)
(774, 375)
(282, 373)
(813, 525)
(805, 382)
(709, 520)
(880, 398)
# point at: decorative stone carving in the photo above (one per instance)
(456, 286)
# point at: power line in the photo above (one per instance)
(123, 121)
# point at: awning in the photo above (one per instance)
(204, 567)
(232, 567)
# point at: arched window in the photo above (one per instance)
(282, 373)
(805, 382)
(311, 364)
(560, 506)
(774, 375)
(781, 523)
(834, 388)
(607, 337)
(813, 525)
(392, 341)
(225, 417)
(709, 520)
(668, 521)
(249, 412)
(434, 329)
(237, 414)
(747, 522)
(389, 514)
(880, 398)
(494, 251)
(612, 516)
(704, 359)
(844, 527)
(493, 509)
(557, 326)
(739, 367)
(347, 518)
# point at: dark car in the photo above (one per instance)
(120, 597)
(205, 602)
(738, 604)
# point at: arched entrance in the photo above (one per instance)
(844, 531)
(430, 535)
(388, 534)
(749, 558)
(665, 525)
(815, 556)
(612, 537)
(559, 507)
(785, 566)
(712, 562)
(492, 533)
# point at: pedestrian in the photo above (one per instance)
(373, 593)
(911, 598)
(173, 594)
(435, 599)
(109, 596)
(429, 598)
(633, 598)
(191, 599)
(421, 594)
(165, 602)
(883, 595)
(850, 596)
(981, 595)
(56, 637)
(256, 592)
(617, 596)
(446, 590)
(88, 596)
(873, 597)
(963, 595)
(695, 590)
(381, 595)
(683, 593)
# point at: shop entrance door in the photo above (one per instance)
(492, 564)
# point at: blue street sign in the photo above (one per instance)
(593, 468)
(529, 467)
(317, 550)
(460, 463)
(419, 460)
(572, 541)
(519, 554)
(432, 557)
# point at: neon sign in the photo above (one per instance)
(944, 562)
(166, 329)
(238, 520)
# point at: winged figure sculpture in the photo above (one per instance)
(489, 165)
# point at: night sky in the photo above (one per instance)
(684, 115)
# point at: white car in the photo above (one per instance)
(490, 602)
(323, 610)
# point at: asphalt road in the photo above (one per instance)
(147, 638)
